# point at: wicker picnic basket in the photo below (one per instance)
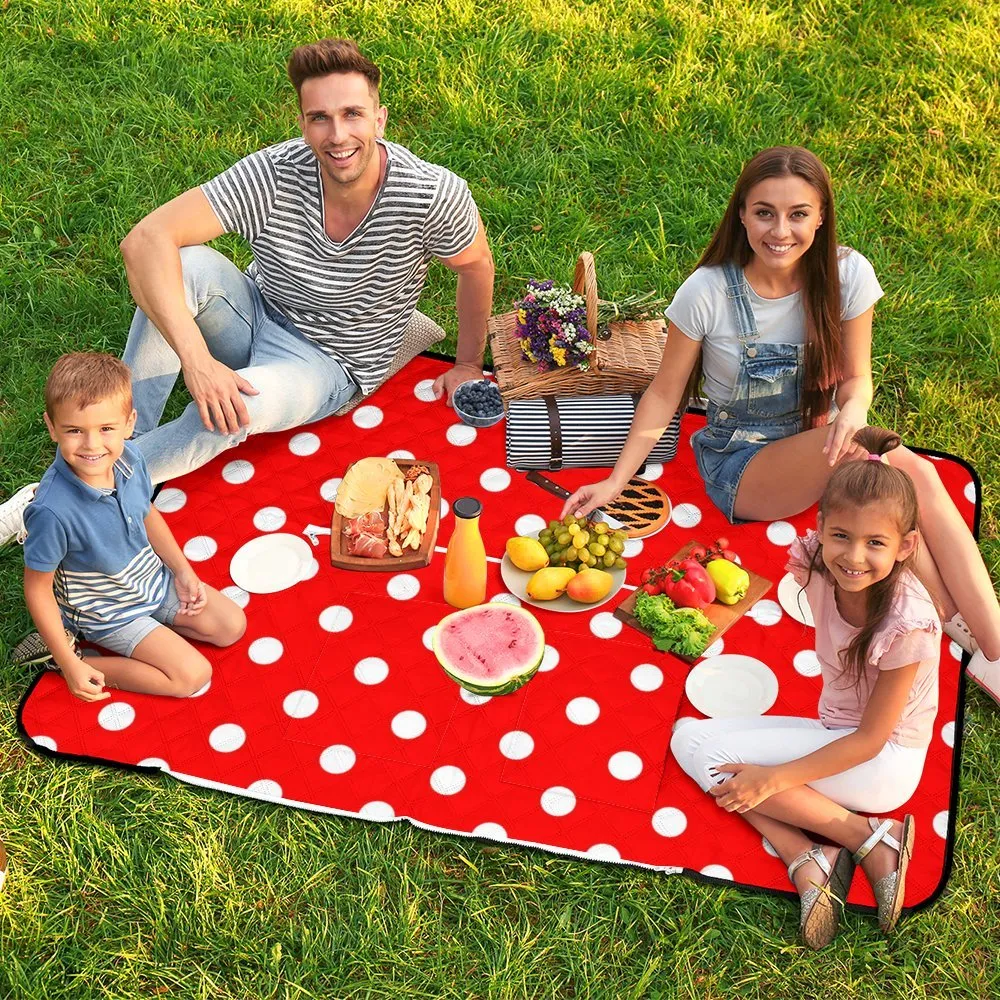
(624, 362)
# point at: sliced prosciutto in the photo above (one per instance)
(365, 535)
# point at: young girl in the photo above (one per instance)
(878, 642)
(775, 323)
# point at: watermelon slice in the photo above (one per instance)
(490, 648)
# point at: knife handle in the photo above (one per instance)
(547, 484)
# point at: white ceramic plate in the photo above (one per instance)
(730, 685)
(270, 563)
(793, 599)
(516, 581)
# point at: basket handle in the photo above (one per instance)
(585, 284)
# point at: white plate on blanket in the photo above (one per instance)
(730, 685)
(794, 600)
(270, 563)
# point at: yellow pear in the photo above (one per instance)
(589, 586)
(527, 553)
(547, 584)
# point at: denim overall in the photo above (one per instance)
(764, 406)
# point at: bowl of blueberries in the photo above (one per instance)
(478, 403)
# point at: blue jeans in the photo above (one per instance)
(297, 382)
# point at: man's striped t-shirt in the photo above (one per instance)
(353, 298)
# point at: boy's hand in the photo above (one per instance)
(192, 593)
(84, 681)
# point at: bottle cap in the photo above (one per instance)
(467, 507)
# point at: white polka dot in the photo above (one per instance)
(494, 831)
(428, 638)
(558, 801)
(549, 660)
(505, 598)
(806, 662)
(304, 444)
(367, 417)
(714, 649)
(409, 725)
(116, 716)
(604, 625)
(266, 650)
(717, 871)
(448, 780)
(157, 762)
(401, 453)
(300, 704)
(460, 435)
(444, 508)
(424, 390)
(44, 741)
(265, 789)
(495, 480)
(371, 670)
(633, 546)
(237, 595)
(625, 765)
(269, 519)
(475, 699)
(200, 548)
(227, 737)
(583, 711)
(335, 618)
(766, 613)
(377, 810)
(686, 515)
(403, 586)
(338, 759)
(948, 734)
(956, 650)
(669, 821)
(766, 844)
(970, 492)
(604, 852)
(202, 690)
(238, 471)
(516, 745)
(528, 524)
(682, 721)
(169, 500)
(940, 824)
(328, 491)
(653, 472)
(781, 533)
(646, 677)
(312, 568)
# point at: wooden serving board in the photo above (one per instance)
(722, 616)
(411, 558)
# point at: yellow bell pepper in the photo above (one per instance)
(731, 581)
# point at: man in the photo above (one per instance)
(343, 225)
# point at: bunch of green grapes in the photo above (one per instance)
(578, 542)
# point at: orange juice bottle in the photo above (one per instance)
(465, 561)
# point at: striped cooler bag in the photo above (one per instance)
(555, 432)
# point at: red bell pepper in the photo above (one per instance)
(688, 585)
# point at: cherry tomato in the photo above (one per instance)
(699, 552)
(646, 575)
(723, 543)
(652, 588)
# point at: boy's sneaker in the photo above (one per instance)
(12, 514)
(32, 651)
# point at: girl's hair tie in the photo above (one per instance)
(872, 457)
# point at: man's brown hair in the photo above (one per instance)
(331, 55)
(85, 378)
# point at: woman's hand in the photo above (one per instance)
(590, 497)
(750, 785)
(840, 442)
(191, 591)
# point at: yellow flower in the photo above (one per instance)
(521, 316)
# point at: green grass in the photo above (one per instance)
(614, 127)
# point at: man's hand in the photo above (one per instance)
(192, 593)
(217, 390)
(84, 681)
(446, 384)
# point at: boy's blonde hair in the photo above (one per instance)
(88, 377)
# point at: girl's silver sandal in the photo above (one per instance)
(821, 905)
(889, 889)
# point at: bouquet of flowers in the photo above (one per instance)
(551, 327)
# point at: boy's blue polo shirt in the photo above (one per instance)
(106, 572)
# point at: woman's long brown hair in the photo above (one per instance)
(821, 277)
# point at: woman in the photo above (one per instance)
(775, 324)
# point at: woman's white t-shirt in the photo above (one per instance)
(702, 311)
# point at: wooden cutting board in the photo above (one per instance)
(411, 558)
(722, 616)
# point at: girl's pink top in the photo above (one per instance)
(911, 633)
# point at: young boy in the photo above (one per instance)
(100, 559)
